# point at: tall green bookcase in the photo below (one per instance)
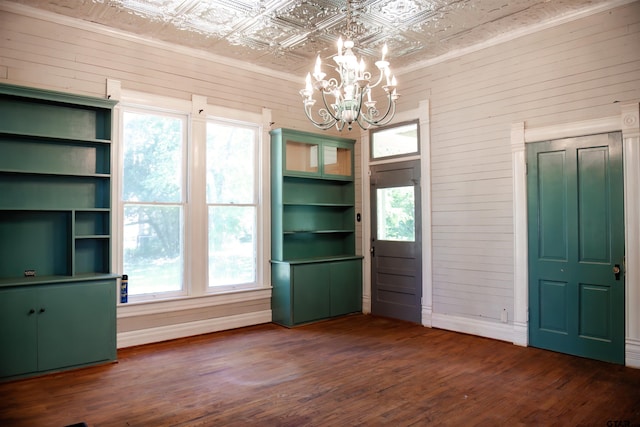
(315, 272)
(57, 292)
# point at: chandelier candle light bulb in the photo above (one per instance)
(349, 89)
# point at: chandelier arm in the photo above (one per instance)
(386, 118)
(326, 106)
(379, 79)
(322, 125)
(363, 123)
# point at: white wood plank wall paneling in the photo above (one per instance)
(580, 70)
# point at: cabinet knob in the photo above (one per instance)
(41, 310)
(31, 311)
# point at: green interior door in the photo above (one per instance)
(576, 246)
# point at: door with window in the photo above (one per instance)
(396, 254)
(576, 246)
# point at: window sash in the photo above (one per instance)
(168, 278)
(225, 249)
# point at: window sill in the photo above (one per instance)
(140, 308)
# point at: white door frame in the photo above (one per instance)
(629, 123)
(422, 115)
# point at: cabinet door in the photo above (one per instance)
(311, 298)
(301, 158)
(18, 323)
(346, 287)
(78, 324)
(337, 160)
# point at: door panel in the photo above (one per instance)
(18, 332)
(311, 296)
(76, 326)
(396, 255)
(576, 237)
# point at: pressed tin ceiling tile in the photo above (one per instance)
(286, 35)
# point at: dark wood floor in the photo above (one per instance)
(357, 370)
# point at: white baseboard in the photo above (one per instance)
(483, 328)
(632, 353)
(181, 330)
(521, 333)
(366, 304)
(427, 312)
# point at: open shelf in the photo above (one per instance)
(62, 157)
(28, 191)
(55, 119)
(92, 224)
(35, 240)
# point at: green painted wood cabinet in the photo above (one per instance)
(55, 231)
(315, 271)
(56, 326)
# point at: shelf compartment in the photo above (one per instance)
(92, 224)
(317, 191)
(54, 119)
(317, 218)
(317, 245)
(91, 256)
(318, 231)
(35, 240)
(54, 192)
(33, 155)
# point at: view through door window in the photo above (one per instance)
(396, 214)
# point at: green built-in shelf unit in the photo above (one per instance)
(57, 291)
(315, 271)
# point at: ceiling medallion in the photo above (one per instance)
(349, 100)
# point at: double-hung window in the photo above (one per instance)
(190, 220)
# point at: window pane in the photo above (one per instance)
(152, 146)
(394, 141)
(153, 248)
(230, 163)
(396, 211)
(232, 245)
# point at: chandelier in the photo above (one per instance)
(349, 99)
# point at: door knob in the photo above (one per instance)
(616, 271)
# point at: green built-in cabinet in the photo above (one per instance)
(57, 292)
(315, 271)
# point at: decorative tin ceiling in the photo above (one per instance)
(286, 35)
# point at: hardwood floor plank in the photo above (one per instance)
(351, 371)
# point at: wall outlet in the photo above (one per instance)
(504, 316)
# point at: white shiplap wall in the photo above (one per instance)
(579, 70)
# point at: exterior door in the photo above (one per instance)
(396, 254)
(576, 246)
